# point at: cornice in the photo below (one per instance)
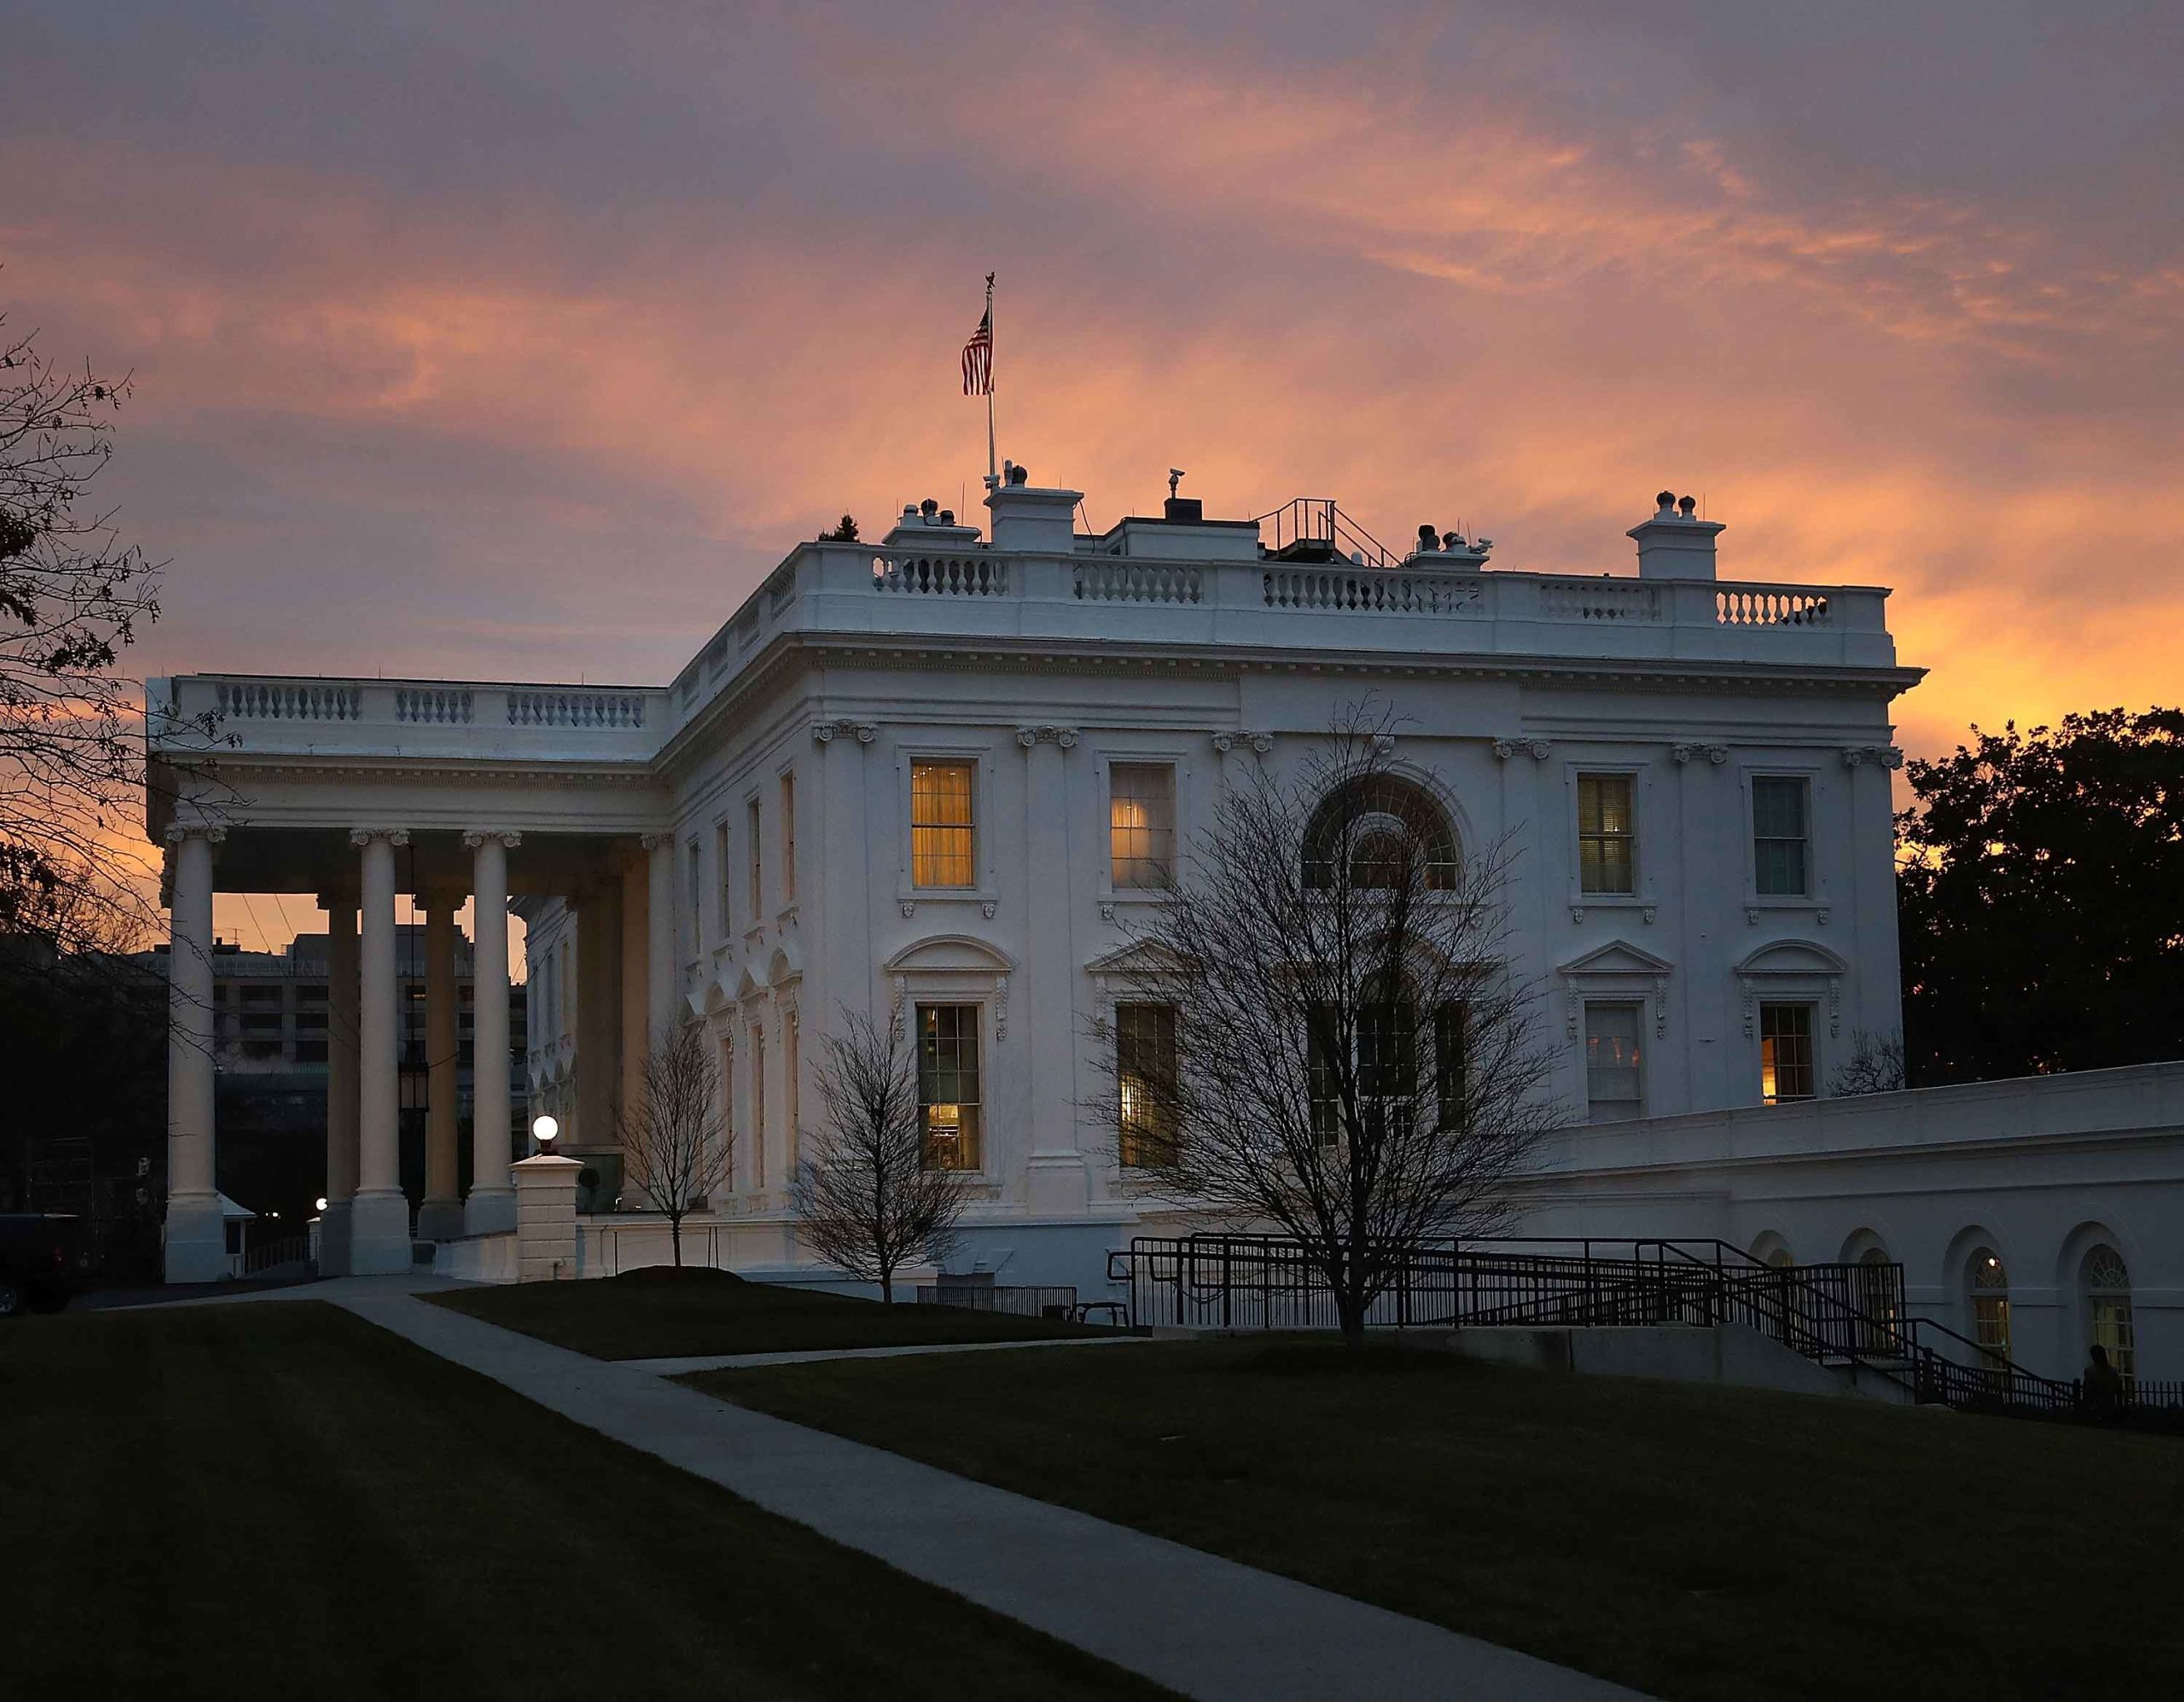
(455, 771)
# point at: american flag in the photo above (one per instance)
(978, 359)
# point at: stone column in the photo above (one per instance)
(491, 1208)
(379, 1220)
(341, 906)
(440, 1218)
(598, 1015)
(636, 978)
(196, 1235)
(1056, 1179)
(660, 954)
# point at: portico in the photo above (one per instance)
(357, 795)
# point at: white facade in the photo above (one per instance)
(1693, 772)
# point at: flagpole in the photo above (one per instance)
(993, 471)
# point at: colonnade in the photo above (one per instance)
(366, 1226)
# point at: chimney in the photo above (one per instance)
(1675, 544)
(1027, 516)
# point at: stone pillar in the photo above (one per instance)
(491, 1208)
(599, 1015)
(341, 906)
(197, 1234)
(636, 977)
(661, 979)
(1057, 1180)
(440, 1218)
(546, 1218)
(379, 1220)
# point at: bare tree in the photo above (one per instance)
(1319, 1032)
(1875, 1066)
(673, 1149)
(867, 1198)
(72, 598)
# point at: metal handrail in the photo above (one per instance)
(1836, 1313)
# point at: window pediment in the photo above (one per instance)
(949, 954)
(1617, 957)
(1792, 957)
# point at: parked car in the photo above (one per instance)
(45, 1256)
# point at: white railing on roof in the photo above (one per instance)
(1371, 591)
(941, 575)
(433, 704)
(281, 701)
(1601, 599)
(1138, 582)
(1770, 606)
(603, 709)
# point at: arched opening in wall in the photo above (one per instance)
(2105, 1283)
(1770, 1248)
(1377, 828)
(1876, 1287)
(1987, 1280)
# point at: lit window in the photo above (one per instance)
(1785, 1052)
(1145, 1071)
(1779, 836)
(2108, 1305)
(1607, 838)
(948, 1086)
(1141, 823)
(1612, 1092)
(942, 851)
(1990, 1302)
(788, 838)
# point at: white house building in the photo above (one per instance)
(942, 773)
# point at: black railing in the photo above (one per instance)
(1850, 1316)
(1313, 529)
(1018, 1301)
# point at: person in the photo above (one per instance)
(2104, 1388)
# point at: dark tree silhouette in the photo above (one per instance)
(865, 1199)
(72, 598)
(1319, 1033)
(674, 1149)
(844, 533)
(2041, 881)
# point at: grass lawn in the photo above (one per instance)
(667, 1314)
(1698, 1543)
(279, 1498)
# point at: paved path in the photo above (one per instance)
(1206, 1627)
(747, 1362)
(336, 1289)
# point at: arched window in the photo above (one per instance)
(1989, 1283)
(1780, 1258)
(1376, 825)
(2106, 1280)
(1875, 1289)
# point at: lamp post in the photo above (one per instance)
(543, 1132)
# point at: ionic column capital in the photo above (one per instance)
(508, 838)
(360, 837)
(1065, 737)
(653, 842)
(179, 831)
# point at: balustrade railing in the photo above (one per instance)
(941, 575)
(1602, 598)
(1111, 581)
(1363, 590)
(1770, 606)
(447, 708)
(576, 709)
(281, 701)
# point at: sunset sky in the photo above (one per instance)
(519, 341)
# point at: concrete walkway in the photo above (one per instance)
(1206, 1627)
(751, 1361)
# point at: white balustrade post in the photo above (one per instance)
(379, 1218)
(491, 1208)
(197, 1234)
(440, 1216)
(341, 906)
